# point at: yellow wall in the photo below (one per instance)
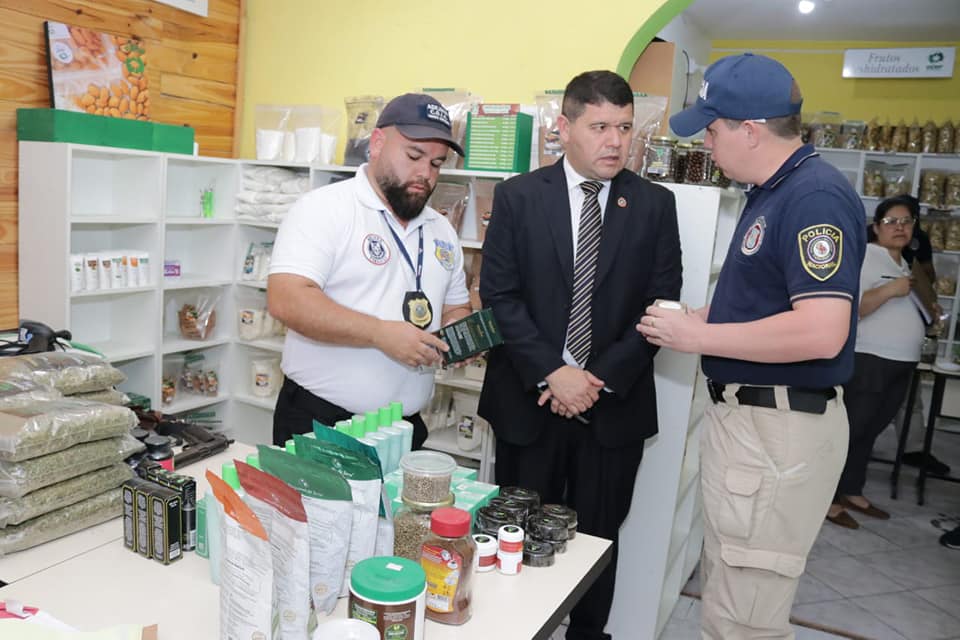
(320, 51)
(817, 67)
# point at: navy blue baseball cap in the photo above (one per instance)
(743, 87)
(419, 117)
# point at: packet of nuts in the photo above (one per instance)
(97, 73)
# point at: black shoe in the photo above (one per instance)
(951, 539)
(934, 466)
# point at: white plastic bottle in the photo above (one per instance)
(396, 412)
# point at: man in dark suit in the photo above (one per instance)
(573, 254)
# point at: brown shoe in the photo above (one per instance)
(845, 520)
(869, 510)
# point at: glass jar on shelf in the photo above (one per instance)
(658, 159)
(698, 164)
(680, 158)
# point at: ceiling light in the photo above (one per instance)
(806, 6)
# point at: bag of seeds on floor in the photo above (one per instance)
(107, 396)
(61, 522)
(280, 510)
(20, 478)
(246, 580)
(66, 372)
(16, 394)
(59, 495)
(365, 480)
(47, 426)
(328, 503)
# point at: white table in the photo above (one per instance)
(95, 582)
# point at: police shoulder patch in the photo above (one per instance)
(821, 250)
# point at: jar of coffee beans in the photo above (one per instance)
(680, 161)
(698, 164)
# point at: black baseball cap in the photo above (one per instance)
(419, 117)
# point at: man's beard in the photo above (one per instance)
(404, 204)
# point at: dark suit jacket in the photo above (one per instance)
(527, 279)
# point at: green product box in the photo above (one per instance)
(498, 138)
(476, 333)
(172, 139)
(463, 473)
(58, 125)
(483, 489)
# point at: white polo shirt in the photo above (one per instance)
(895, 330)
(338, 236)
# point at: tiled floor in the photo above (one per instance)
(889, 580)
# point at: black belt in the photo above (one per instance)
(800, 398)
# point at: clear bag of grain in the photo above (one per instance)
(901, 135)
(56, 496)
(107, 396)
(932, 187)
(458, 103)
(362, 115)
(20, 478)
(930, 133)
(915, 137)
(937, 230)
(15, 394)
(61, 522)
(945, 139)
(53, 425)
(953, 235)
(873, 173)
(895, 180)
(951, 190)
(549, 106)
(66, 372)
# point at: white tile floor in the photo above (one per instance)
(889, 580)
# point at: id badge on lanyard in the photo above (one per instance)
(417, 309)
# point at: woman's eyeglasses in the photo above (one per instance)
(900, 222)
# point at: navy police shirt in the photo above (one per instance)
(802, 235)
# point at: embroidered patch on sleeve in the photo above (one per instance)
(821, 250)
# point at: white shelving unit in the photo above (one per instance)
(663, 534)
(853, 164)
(78, 199)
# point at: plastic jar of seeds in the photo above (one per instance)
(698, 164)
(426, 476)
(411, 526)
(658, 159)
(447, 557)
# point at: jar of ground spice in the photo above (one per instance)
(426, 476)
(447, 557)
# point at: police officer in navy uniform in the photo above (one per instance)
(777, 343)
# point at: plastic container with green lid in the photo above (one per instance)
(426, 475)
(393, 586)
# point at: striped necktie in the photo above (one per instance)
(584, 271)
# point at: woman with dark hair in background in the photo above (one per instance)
(889, 337)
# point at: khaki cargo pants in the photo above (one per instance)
(768, 477)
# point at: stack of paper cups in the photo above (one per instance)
(509, 549)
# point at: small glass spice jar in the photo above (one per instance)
(447, 557)
(658, 159)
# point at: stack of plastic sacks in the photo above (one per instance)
(61, 458)
(269, 192)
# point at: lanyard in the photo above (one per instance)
(418, 270)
